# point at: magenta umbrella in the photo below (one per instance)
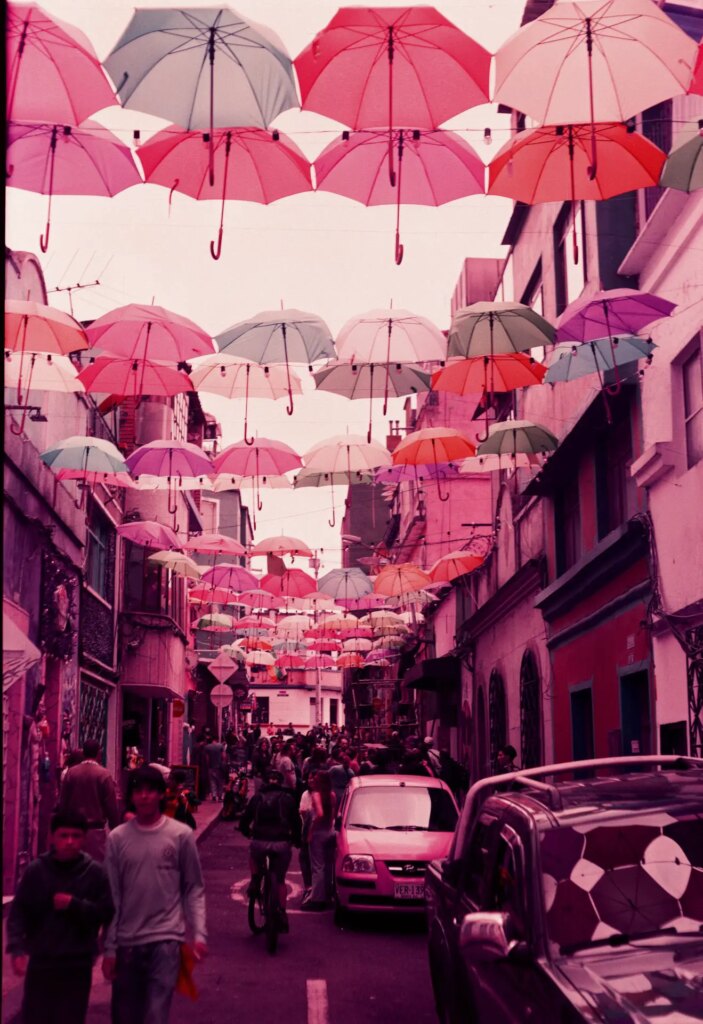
(434, 167)
(172, 460)
(133, 378)
(383, 67)
(53, 72)
(149, 332)
(249, 164)
(60, 159)
(231, 576)
(150, 534)
(291, 583)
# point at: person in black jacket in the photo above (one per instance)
(62, 901)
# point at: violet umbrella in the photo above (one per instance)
(62, 159)
(434, 167)
(170, 460)
(149, 332)
(251, 165)
(53, 72)
(150, 534)
(230, 577)
(383, 67)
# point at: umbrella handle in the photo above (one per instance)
(18, 429)
(216, 249)
(399, 250)
(333, 520)
(248, 440)
(44, 239)
(259, 502)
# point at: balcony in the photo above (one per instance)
(153, 656)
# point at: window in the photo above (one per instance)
(334, 703)
(567, 524)
(260, 714)
(99, 574)
(570, 275)
(613, 480)
(505, 893)
(533, 296)
(475, 859)
(497, 716)
(657, 127)
(151, 588)
(692, 377)
(530, 713)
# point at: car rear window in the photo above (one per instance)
(628, 877)
(402, 809)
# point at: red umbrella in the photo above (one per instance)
(434, 168)
(292, 583)
(289, 661)
(383, 67)
(149, 332)
(453, 565)
(53, 72)
(60, 159)
(133, 378)
(251, 164)
(696, 86)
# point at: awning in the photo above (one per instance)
(18, 653)
(155, 691)
(435, 674)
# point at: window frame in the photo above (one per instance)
(99, 586)
(692, 354)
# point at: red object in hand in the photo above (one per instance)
(185, 983)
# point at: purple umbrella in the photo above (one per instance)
(629, 900)
(56, 159)
(230, 576)
(618, 846)
(150, 534)
(572, 918)
(416, 474)
(560, 851)
(171, 460)
(610, 313)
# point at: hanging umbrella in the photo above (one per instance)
(232, 377)
(296, 624)
(133, 378)
(382, 67)
(612, 312)
(231, 651)
(280, 336)
(497, 328)
(434, 167)
(350, 660)
(214, 544)
(398, 579)
(379, 619)
(391, 336)
(85, 457)
(599, 356)
(255, 643)
(207, 594)
(453, 565)
(255, 622)
(317, 661)
(340, 622)
(356, 381)
(52, 69)
(629, 900)
(494, 463)
(393, 475)
(345, 583)
(248, 164)
(513, 436)
(171, 461)
(216, 622)
(593, 61)
(325, 643)
(226, 482)
(551, 164)
(94, 479)
(433, 445)
(150, 534)
(202, 68)
(292, 583)
(357, 645)
(281, 546)
(683, 169)
(176, 562)
(290, 661)
(259, 599)
(259, 459)
(62, 159)
(345, 453)
(44, 372)
(230, 576)
(260, 659)
(379, 658)
(149, 332)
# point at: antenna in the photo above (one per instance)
(73, 288)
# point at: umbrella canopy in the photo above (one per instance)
(166, 458)
(216, 622)
(488, 374)
(434, 167)
(371, 380)
(453, 565)
(258, 622)
(494, 463)
(683, 169)
(214, 544)
(345, 583)
(513, 436)
(630, 900)
(227, 482)
(290, 661)
(230, 576)
(260, 659)
(607, 313)
(379, 658)
(281, 545)
(148, 332)
(39, 371)
(402, 578)
(497, 328)
(391, 336)
(85, 454)
(350, 660)
(133, 378)
(176, 562)
(232, 377)
(597, 357)
(52, 69)
(358, 645)
(431, 446)
(262, 458)
(324, 643)
(292, 583)
(392, 475)
(346, 453)
(204, 593)
(62, 159)
(150, 534)
(259, 599)
(316, 661)
(380, 619)
(297, 624)
(593, 61)
(33, 327)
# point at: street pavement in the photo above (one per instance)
(372, 971)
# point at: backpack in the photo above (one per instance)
(270, 818)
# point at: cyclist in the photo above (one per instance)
(272, 821)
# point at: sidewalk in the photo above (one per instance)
(207, 815)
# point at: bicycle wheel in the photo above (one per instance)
(257, 913)
(271, 903)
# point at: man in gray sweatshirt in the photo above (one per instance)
(157, 886)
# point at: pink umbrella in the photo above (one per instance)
(52, 69)
(252, 164)
(434, 167)
(325, 644)
(381, 67)
(214, 544)
(260, 599)
(292, 583)
(350, 660)
(133, 378)
(150, 534)
(149, 332)
(56, 159)
(204, 593)
(230, 576)
(255, 622)
(369, 602)
(258, 459)
(316, 661)
(93, 479)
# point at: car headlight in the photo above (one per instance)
(361, 864)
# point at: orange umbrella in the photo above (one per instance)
(255, 643)
(403, 578)
(350, 660)
(456, 563)
(431, 446)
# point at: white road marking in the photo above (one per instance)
(238, 891)
(318, 1006)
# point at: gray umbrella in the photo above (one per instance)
(597, 357)
(683, 169)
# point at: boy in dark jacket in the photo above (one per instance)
(62, 901)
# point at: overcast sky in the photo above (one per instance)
(316, 252)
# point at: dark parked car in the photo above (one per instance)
(573, 900)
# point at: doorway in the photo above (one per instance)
(582, 723)
(635, 713)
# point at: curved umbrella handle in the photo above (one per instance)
(44, 239)
(18, 429)
(289, 407)
(333, 520)
(174, 510)
(439, 492)
(248, 440)
(259, 502)
(399, 250)
(216, 249)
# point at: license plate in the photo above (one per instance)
(409, 890)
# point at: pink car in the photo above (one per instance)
(389, 828)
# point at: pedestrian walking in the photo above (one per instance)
(62, 901)
(305, 810)
(157, 886)
(215, 754)
(322, 839)
(261, 762)
(89, 789)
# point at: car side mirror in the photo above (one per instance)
(338, 822)
(486, 937)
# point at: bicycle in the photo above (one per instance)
(265, 906)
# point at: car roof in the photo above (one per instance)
(411, 781)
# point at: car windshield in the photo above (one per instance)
(396, 808)
(623, 879)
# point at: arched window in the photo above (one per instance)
(530, 713)
(482, 766)
(497, 718)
